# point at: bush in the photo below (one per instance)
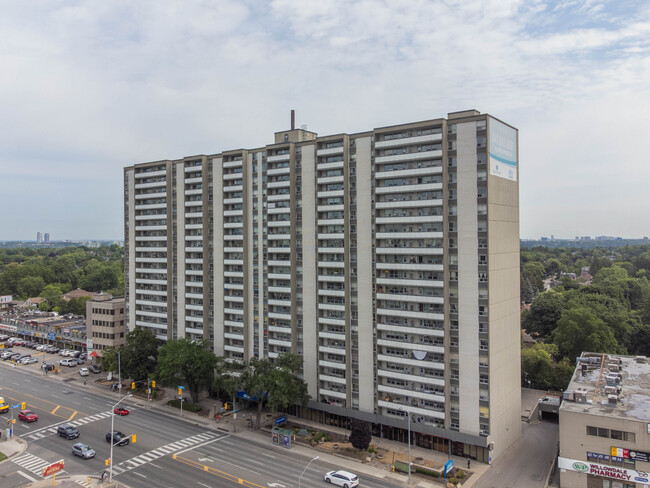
(328, 438)
(319, 436)
(427, 471)
(361, 434)
(372, 449)
(190, 407)
(460, 475)
(453, 481)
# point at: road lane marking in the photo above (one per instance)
(201, 445)
(198, 483)
(25, 475)
(54, 411)
(220, 474)
(73, 415)
(140, 474)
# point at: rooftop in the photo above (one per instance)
(610, 385)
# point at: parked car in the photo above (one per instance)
(342, 478)
(29, 360)
(121, 411)
(28, 416)
(68, 362)
(119, 439)
(79, 361)
(83, 355)
(6, 355)
(83, 372)
(94, 369)
(83, 450)
(67, 431)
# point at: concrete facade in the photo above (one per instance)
(106, 322)
(387, 259)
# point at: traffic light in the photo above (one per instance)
(107, 462)
(133, 385)
(153, 384)
(22, 406)
(225, 405)
(133, 438)
(180, 392)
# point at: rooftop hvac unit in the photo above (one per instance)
(615, 360)
(612, 380)
(568, 395)
(640, 359)
(612, 399)
(614, 367)
(594, 360)
(611, 390)
(580, 396)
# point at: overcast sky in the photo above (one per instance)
(88, 87)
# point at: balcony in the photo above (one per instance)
(408, 141)
(408, 156)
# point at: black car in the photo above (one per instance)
(119, 439)
(83, 355)
(67, 431)
(94, 369)
(79, 360)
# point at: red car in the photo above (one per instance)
(121, 411)
(27, 416)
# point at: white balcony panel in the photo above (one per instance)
(151, 270)
(331, 364)
(193, 203)
(278, 198)
(233, 262)
(331, 221)
(278, 210)
(233, 274)
(280, 303)
(434, 202)
(326, 166)
(237, 337)
(194, 283)
(279, 342)
(151, 217)
(279, 289)
(330, 151)
(281, 330)
(283, 316)
(194, 215)
(332, 393)
(233, 225)
(150, 174)
(197, 308)
(193, 238)
(158, 315)
(151, 206)
(194, 272)
(332, 379)
(340, 235)
(414, 282)
(193, 180)
(331, 335)
(233, 286)
(233, 201)
(193, 192)
(232, 176)
(237, 349)
(279, 184)
(192, 169)
(331, 250)
(409, 377)
(279, 237)
(411, 315)
(332, 350)
(278, 157)
(279, 263)
(150, 227)
(233, 299)
(234, 311)
(151, 304)
(233, 249)
(151, 249)
(158, 293)
(193, 330)
(143, 281)
(194, 296)
(415, 411)
(411, 330)
(411, 362)
(194, 261)
(409, 157)
(279, 171)
(405, 173)
(415, 219)
(423, 395)
(279, 250)
(380, 190)
(279, 276)
(328, 321)
(332, 279)
(143, 323)
(331, 293)
(330, 194)
(155, 184)
(232, 164)
(331, 306)
(194, 249)
(415, 251)
(330, 179)
(411, 266)
(410, 298)
(233, 213)
(278, 223)
(233, 237)
(331, 264)
(408, 141)
(232, 189)
(331, 208)
(143, 196)
(150, 239)
(410, 346)
(193, 226)
(408, 235)
(232, 323)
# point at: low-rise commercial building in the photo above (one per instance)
(605, 424)
(105, 322)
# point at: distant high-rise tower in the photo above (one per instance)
(47, 237)
(39, 237)
(387, 259)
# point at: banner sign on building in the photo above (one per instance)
(641, 456)
(503, 150)
(602, 470)
(5, 299)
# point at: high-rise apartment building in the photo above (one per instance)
(39, 237)
(47, 238)
(387, 259)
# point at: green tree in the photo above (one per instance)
(360, 434)
(30, 286)
(580, 330)
(544, 313)
(109, 360)
(53, 293)
(185, 362)
(139, 355)
(537, 366)
(275, 384)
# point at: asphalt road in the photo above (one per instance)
(169, 452)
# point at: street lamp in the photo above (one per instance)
(408, 414)
(303, 471)
(110, 476)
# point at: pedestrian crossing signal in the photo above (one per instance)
(107, 462)
(180, 392)
(153, 384)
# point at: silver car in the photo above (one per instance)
(82, 450)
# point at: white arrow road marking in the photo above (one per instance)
(277, 485)
(206, 459)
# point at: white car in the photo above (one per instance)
(68, 362)
(83, 372)
(28, 361)
(342, 478)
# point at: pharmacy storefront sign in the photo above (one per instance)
(602, 470)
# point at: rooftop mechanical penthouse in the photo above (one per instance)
(387, 259)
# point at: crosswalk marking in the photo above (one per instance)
(163, 451)
(31, 463)
(51, 430)
(85, 482)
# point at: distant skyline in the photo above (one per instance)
(92, 87)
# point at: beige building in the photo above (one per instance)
(387, 259)
(105, 322)
(605, 424)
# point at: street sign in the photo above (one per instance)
(449, 465)
(281, 420)
(52, 468)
